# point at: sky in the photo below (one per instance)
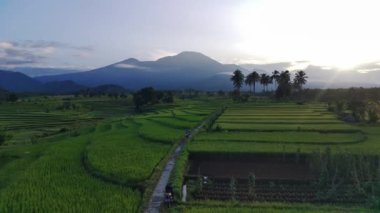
(85, 34)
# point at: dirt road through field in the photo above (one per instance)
(159, 192)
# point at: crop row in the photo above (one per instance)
(56, 182)
(283, 137)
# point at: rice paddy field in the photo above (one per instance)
(106, 161)
(68, 154)
(285, 128)
(279, 157)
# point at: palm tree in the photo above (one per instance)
(248, 81)
(251, 79)
(284, 85)
(300, 79)
(263, 81)
(274, 77)
(237, 79)
(268, 80)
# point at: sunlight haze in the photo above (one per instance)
(87, 34)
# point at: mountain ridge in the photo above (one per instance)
(184, 70)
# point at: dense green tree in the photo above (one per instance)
(168, 97)
(3, 136)
(357, 103)
(146, 96)
(12, 97)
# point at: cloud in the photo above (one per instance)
(368, 67)
(298, 65)
(129, 66)
(37, 53)
(5, 45)
(157, 54)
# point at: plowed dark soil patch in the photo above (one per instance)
(269, 168)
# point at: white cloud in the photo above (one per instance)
(368, 70)
(298, 65)
(5, 45)
(37, 53)
(129, 66)
(159, 53)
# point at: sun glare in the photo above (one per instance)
(325, 33)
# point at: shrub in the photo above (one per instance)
(372, 116)
(2, 137)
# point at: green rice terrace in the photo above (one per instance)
(295, 156)
(68, 154)
(91, 158)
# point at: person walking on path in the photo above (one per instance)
(184, 192)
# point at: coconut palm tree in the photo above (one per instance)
(300, 80)
(268, 81)
(251, 79)
(237, 79)
(274, 77)
(248, 81)
(284, 85)
(264, 81)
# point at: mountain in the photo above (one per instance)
(18, 82)
(185, 70)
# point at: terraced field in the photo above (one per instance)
(281, 128)
(106, 166)
(280, 144)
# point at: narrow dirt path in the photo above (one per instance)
(159, 191)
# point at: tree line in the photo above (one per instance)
(150, 96)
(6, 96)
(352, 104)
(281, 81)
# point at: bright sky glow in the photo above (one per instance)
(333, 33)
(91, 33)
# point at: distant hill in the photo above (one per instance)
(185, 70)
(18, 82)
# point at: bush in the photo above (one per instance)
(372, 116)
(218, 128)
(2, 138)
